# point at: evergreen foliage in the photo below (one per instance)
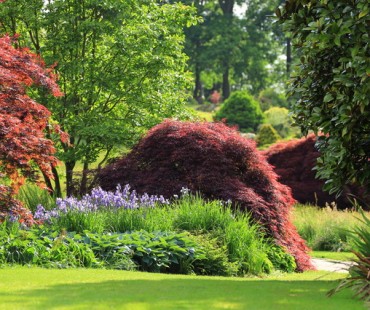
(269, 98)
(267, 135)
(281, 120)
(241, 109)
(332, 84)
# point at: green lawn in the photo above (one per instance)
(343, 256)
(36, 288)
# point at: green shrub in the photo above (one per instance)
(280, 259)
(150, 251)
(215, 260)
(280, 119)
(241, 109)
(168, 252)
(109, 250)
(269, 98)
(267, 135)
(242, 239)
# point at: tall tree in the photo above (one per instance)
(121, 68)
(227, 7)
(332, 83)
(233, 45)
(197, 42)
(23, 121)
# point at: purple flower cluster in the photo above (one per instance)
(100, 199)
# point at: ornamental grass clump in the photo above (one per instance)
(326, 229)
(216, 161)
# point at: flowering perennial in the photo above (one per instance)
(99, 199)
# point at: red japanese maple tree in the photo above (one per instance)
(294, 163)
(216, 161)
(23, 121)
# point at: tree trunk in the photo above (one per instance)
(57, 187)
(83, 184)
(288, 56)
(56, 190)
(197, 95)
(227, 7)
(225, 82)
(48, 184)
(69, 177)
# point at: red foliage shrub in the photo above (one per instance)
(12, 207)
(293, 162)
(22, 120)
(219, 163)
(215, 97)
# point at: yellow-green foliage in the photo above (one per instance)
(267, 135)
(280, 119)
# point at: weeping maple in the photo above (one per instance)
(217, 162)
(23, 121)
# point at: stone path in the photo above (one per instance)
(331, 265)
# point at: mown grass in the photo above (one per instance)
(341, 256)
(36, 288)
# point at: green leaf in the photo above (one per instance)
(337, 40)
(328, 97)
(363, 13)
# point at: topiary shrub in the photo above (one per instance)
(294, 161)
(219, 163)
(241, 109)
(280, 119)
(267, 135)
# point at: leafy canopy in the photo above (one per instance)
(120, 63)
(23, 121)
(332, 84)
